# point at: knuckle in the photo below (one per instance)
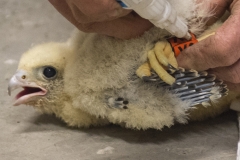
(88, 28)
(112, 5)
(79, 16)
(101, 8)
(92, 13)
(82, 20)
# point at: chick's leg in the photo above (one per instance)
(164, 59)
(165, 55)
(144, 70)
(160, 59)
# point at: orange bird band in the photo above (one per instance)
(179, 44)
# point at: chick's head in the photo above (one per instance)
(40, 73)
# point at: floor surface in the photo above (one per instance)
(25, 134)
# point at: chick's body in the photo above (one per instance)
(92, 75)
(96, 83)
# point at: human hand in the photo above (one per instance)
(219, 53)
(102, 16)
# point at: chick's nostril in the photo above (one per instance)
(24, 77)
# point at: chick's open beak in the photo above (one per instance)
(30, 88)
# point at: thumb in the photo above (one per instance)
(200, 56)
(218, 50)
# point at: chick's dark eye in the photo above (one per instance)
(49, 72)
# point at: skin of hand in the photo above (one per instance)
(102, 16)
(220, 53)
